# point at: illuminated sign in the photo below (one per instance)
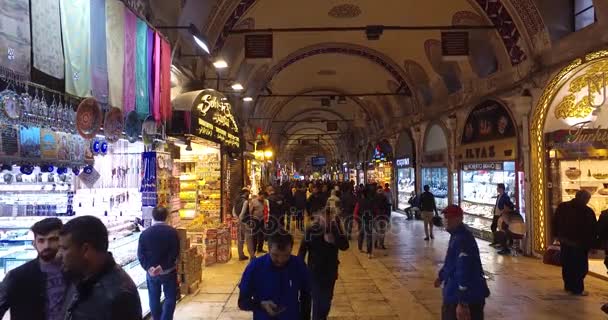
(212, 119)
(403, 162)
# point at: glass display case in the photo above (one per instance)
(380, 173)
(437, 179)
(478, 191)
(406, 184)
(590, 175)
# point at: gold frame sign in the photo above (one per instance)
(212, 119)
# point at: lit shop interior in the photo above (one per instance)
(487, 155)
(380, 166)
(575, 147)
(434, 169)
(405, 170)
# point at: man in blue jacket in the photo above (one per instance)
(464, 286)
(158, 252)
(276, 285)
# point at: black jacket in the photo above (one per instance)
(23, 291)
(276, 205)
(158, 245)
(300, 199)
(315, 203)
(575, 224)
(323, 256)
(110, 295)
(348, 203)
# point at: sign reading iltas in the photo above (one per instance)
(212, 119)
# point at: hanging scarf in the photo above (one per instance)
(150, 69)
(46, 37)
(165, 79)
(15, 41)
(99, 64)
(115, 42)
(142, 103)
(157, 78)
(129, 66)
(76, 28)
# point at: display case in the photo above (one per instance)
(406, 185)
(478, 191)
(380, 173)
(589, 175)
(437, 179)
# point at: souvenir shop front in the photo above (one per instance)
(570, 145)
(405, 169)
(62, 147)
(488, 156)
(380, 166)
(434, 168)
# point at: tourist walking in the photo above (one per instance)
(258, 210)
(36, 289)
(364, 215)
(276, 286)
(102, 289)
(321, 243)
(348, 202)
(464, 286)
(574, 225)
(333, 202)
(158, 252)
(382, 218)
(427, 208)
(388, 193)
(240, 211)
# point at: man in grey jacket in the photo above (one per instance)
(241, 212)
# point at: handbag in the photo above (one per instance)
(553, 255)
(437, 220)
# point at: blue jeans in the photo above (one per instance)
(168, 283)
(322, 295)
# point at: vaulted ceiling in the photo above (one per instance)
(403, 74)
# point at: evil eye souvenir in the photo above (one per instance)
(103, 149)
(62, 170)
(6, 167)
(76, 171)
(27, 169)
(88, 169)
(47, 168)
(95, 146)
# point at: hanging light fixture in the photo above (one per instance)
(220, 64)
(247, 99)
(237, 86)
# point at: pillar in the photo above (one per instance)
(452, 125)
(418, 149)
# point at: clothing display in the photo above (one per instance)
(46, 37)
(75, 29)
(165, 79)
(15, 42)
(115, 48)
(99, 65)
(156, 56)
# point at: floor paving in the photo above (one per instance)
(398, 284)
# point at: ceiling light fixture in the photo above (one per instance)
(247, 99)
(220, 64)
(198, 37)
(237, 86)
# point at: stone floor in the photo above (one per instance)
(398, 284)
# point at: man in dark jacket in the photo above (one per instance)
(322, 242)
(427, 207)
(464, 286)
(36, 289)
(364, 215)
(316, 202)
(348, 202)
(102, 289)
(277, 207)
(574, 225)
(381, 223)
(158, 251)
(300, 204)
(276, 286)
(240, 211)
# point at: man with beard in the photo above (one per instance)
(36, 290)
(102, 289)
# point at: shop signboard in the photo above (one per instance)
(212, 119)
(489, 134)
(402, 163)
(493, 166)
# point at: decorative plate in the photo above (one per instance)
(148, 130)
(113, 125)
(132, 126)
(88, 118)
(11, 106)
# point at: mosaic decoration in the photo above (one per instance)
(346, 10)
(340, 49)
(538, 148)
(569, 107)
(236, 15)
(505, 26)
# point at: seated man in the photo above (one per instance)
(513, 228)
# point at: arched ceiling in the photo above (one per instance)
(396, 79)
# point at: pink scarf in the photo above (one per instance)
(129, 66)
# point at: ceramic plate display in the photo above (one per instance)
(148, 130)
(113, 125)
(132, 126)
(88, 118)
(11, 105)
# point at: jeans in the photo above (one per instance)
(245, 237)
(382, 226)
(366, 230)
(349, 220)
(575, 265)
(448, 311)
(494, 228)
(168, 284)
(300, 219)
(322, 294)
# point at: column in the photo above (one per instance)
(418, 149)
(452, 125)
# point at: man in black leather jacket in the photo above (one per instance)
(102, 289)
(36, 289)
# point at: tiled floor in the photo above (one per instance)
(398, 284)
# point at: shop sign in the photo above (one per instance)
(212, 119)
(402, 163)
(488, 121)
(482, 166)
(585, 132)
(495, 150)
